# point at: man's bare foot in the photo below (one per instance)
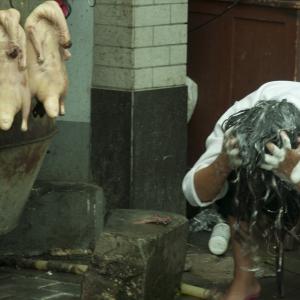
(242, 289)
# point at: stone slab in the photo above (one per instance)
(63, 215)
(159, 150)
(110, 145)
(134, 260)
(138, 152)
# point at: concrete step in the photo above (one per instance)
(140, 255)
(58, 215)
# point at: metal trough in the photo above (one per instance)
(21, 156)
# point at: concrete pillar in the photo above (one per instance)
(138, 111)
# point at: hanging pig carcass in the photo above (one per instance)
(14, 86)
(48, 39)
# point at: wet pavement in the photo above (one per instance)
(199, 249)
(20, 284)
(26, 284)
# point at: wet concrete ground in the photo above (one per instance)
(198, 245)
(21, 284)
(36, 285)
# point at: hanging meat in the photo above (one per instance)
(14, 86)
(48, 40)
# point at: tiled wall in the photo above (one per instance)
(140, 44)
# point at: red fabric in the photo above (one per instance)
(63, 6)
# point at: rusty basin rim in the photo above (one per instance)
(31, 141)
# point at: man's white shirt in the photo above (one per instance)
(274, 90)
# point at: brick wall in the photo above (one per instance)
(140, 44)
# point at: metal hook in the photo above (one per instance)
(69, 9)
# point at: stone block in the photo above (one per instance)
(141, 159)
(136, 260)
(110, 147)
(57, 216)
(158, 150)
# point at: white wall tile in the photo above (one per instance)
(142, 36)
(140, 44)
(151, 57)
(118, 78)
(113, 56)
(151, 15)
(179, 13)
(178, 54)
(170, 34)
(117, 15)
(143, 78)
(169, 76)
(108, 35)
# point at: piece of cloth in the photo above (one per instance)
(192, 90)
(274, 90)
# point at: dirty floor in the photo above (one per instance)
(37, 285)
(207, 271)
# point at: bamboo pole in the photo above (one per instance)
(45, 265)
(198, 292)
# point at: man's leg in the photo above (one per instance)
(244, 283)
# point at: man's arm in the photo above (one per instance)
(209, 181)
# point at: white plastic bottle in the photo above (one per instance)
(219, 239)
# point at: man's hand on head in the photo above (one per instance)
(231, 148)
(284, 161)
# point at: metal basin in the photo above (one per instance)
(21, 156)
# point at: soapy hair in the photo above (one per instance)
(261, 124)
(267, 203)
